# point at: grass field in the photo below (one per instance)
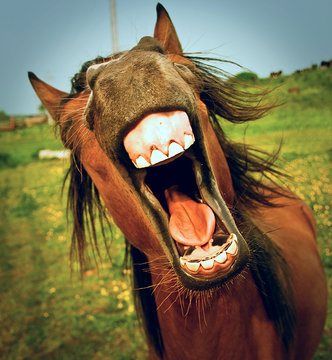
(47, 314)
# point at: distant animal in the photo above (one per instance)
(225, 265)
(326, 64)
(275, 75)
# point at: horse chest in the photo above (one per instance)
(231, 324)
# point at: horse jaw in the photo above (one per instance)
(202, 240)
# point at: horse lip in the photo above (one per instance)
(211, 196)
(219, 262)
(220, 273)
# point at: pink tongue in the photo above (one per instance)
(191, 223)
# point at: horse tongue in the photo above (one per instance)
(191, 223)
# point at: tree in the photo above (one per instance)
(247, 76)
(3, 116)
(41, 108)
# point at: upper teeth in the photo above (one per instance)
(193, 265)
(188, 141)
(158, 137)
(141, 162)
(158, 156)
(175, 149)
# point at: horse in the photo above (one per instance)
(224, 264)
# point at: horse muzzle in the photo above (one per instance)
(172, 173)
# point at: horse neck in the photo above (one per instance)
(215, 324)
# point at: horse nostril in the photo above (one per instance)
(91, 76)
(93, 71)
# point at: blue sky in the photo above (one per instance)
(54, 38)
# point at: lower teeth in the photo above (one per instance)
(208, 262)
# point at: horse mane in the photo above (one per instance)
(224, 97)
(228, 98)
(85, 205)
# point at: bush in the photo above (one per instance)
(7, 161)
(4, 116)
(247, 77)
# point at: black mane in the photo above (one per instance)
(224, 98)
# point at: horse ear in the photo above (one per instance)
(165, 32)
(48, 95)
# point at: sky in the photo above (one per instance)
(53, 38)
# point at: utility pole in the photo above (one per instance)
(114, 27)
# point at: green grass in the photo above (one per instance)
(21, 147)
(46, 314)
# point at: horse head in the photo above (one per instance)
(144, 136)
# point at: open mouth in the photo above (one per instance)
(205, 245)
